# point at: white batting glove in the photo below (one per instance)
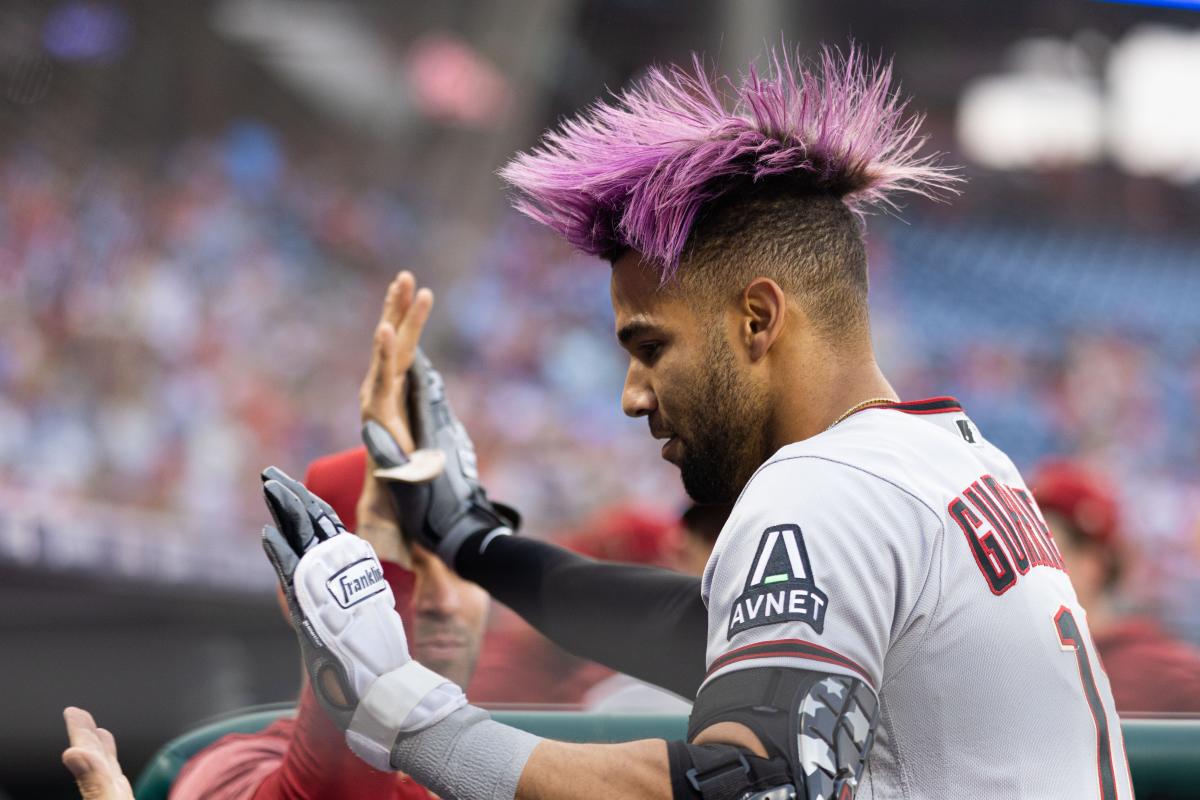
(351, 637)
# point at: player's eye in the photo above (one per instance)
(648, 352)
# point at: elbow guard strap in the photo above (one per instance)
(726, 772)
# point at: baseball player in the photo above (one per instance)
(885, 613)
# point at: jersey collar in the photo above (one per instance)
(944, 412)
(930, 405)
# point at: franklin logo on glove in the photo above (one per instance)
(356, 583)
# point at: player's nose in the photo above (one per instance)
(637, 398)
(438, 591)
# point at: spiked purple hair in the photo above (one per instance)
(637, 171)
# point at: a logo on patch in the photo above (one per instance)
(780, 587)
(355, 583)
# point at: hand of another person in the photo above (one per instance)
(351, 638)
(92, 759)
(382, 399)
(439, 500)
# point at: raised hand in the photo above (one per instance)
(92, 759)
(382, 395)
(305, 525)
(382, 398)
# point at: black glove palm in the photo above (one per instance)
(438, 509)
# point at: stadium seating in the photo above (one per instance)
(1162, 752)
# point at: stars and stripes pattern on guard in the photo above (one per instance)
(837, 718)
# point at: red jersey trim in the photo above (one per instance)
(930, 405)
(790, 648)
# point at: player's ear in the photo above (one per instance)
(764, 309)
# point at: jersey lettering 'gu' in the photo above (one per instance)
(902, 548)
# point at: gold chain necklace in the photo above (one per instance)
(865, 404)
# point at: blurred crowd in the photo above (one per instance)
(168, 328)
(165, 329)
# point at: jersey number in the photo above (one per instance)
(1070, 636)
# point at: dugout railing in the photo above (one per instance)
(1164, 753)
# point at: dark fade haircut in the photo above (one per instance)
(808, 242)
(774, 172)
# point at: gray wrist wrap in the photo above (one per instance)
(466, 756)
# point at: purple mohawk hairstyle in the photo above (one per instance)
(636, 172)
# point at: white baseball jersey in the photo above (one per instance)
(901, 548)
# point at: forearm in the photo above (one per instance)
(560, 770)
(470, 756)
(647, 622)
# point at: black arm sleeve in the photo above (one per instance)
(647, 622)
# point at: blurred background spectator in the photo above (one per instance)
(201, 203)
(1149, 670)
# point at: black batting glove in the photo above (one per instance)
(438, 498)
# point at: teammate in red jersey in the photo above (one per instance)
(1150, 671)
(306, 756)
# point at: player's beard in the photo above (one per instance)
(724, 433)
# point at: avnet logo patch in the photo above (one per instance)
(355, 583)
(780, 586)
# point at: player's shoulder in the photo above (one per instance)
(849, 461)
(235, 764)
(924, 446)
(919, 453)
(806, 471)
(841, 499)
(810, 488)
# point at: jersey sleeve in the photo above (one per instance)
(822, 566)
(233, 767)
